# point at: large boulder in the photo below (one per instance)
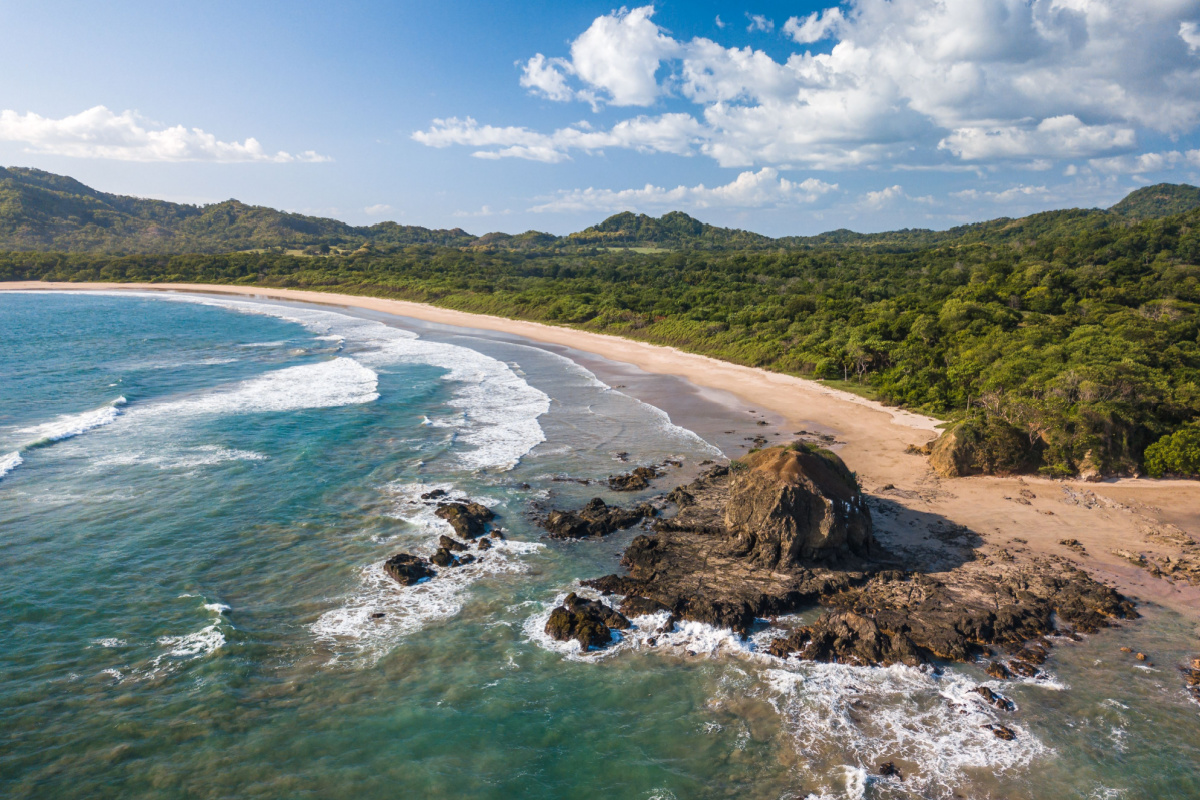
(952, 454)
(794, 505)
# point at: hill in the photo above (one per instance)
(672, 230)
(46, 212)
(43, 212)
(1160, 200)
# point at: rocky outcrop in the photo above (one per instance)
(982, 603)
(469, 520)
(952, 454)
(789, 506)
(699, 569)
(787, 529)
(588, 622)
(847, 638)
(597, 518)
(408, 569)
(633, 481)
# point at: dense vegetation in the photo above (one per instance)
(1061, 341)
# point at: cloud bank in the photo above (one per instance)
(917, 82)
(99, 133)
(748, 190)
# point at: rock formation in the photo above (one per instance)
(787, 528)
(588, 622)
(790, 506)
(408, 569)
(469, 520)
(595, 519)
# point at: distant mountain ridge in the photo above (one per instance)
(41, 211)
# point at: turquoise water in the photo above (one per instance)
(197, 498)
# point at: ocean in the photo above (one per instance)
(197, 495)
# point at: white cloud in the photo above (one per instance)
(883, 197)
(548, 76)
(99, 133)
(904, 82)
(748, 190)
(377, 210)
(620, 55)
(1135, 165)
(1004, 196)
(720, 24)
(1060, 137)
(815, 27)
(485, 211)
(668, 133)
(1190, 33)
(758, 22)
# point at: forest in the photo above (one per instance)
(1061, 342)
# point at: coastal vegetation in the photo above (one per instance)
(1060, 342)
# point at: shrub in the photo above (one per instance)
(1176, 453)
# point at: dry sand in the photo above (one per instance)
(1138, 516)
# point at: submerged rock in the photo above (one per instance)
(469, 520)
(588, 622)
(595, 519)
(408, 569)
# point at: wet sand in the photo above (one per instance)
(1132, 515)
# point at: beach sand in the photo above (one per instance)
(1138, 516)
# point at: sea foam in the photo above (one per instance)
(67, 426)
(9, 462)
(355, 633)
(498, 409)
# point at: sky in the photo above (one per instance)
(780, 118)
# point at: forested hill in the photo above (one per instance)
(40, 211)
(46, 212)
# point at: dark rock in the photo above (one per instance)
(594, 519)
(633, 481)
(496, 535)
(634, 606)
(993, 699)
(378, 615)
(847, 638)
(435, 494)
(442, 557)
(588, 622)
(407, 569)
(761, 422)
(1002, 731)
(484, 543)
(453, 545)
(464, 559)
(888, 770)
(998, 671)
(469, 520)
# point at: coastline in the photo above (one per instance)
(1029, 513)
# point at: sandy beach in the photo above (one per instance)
(1112, 520)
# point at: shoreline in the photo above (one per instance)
(1021, 513)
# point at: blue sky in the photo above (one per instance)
(783, 118)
